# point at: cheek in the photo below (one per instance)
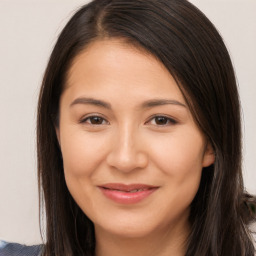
(81, 153)
(82, 157)
(180, 158)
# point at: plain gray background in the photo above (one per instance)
(28, 31)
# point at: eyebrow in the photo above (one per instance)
(91, 101)
(146, 104)
(159, 102)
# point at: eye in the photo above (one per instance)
(94, 120)
(162, 121)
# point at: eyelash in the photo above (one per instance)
(170, 121)
(84, 120)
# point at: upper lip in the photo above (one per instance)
(126, 187)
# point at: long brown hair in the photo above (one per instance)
(187, 43)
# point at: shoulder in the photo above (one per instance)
(14, 249)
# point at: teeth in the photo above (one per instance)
(135, 190)
(131, 191)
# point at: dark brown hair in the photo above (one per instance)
(187, 43)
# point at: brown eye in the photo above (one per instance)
(162, 121)
(94, 120)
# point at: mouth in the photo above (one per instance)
(127, 194)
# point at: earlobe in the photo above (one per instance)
(209, 155)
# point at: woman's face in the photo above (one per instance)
(132, 153)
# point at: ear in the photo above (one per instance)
(57, 130)
(209, 155)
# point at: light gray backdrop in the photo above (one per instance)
(28, 30)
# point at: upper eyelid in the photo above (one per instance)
(163, 115)
(84, 118)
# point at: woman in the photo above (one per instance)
(139, 138)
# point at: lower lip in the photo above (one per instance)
(127, 197)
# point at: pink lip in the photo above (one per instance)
(126, 194)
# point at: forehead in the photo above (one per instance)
(113, 64)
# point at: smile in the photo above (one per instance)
(127, 194)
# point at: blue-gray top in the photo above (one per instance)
(14, 249)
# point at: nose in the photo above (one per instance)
(127, 151)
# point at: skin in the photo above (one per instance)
(127, 144)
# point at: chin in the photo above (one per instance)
(125, 230)
(129, 226)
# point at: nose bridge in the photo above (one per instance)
(126, 140)
(126, 152)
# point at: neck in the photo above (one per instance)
(160, 242)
